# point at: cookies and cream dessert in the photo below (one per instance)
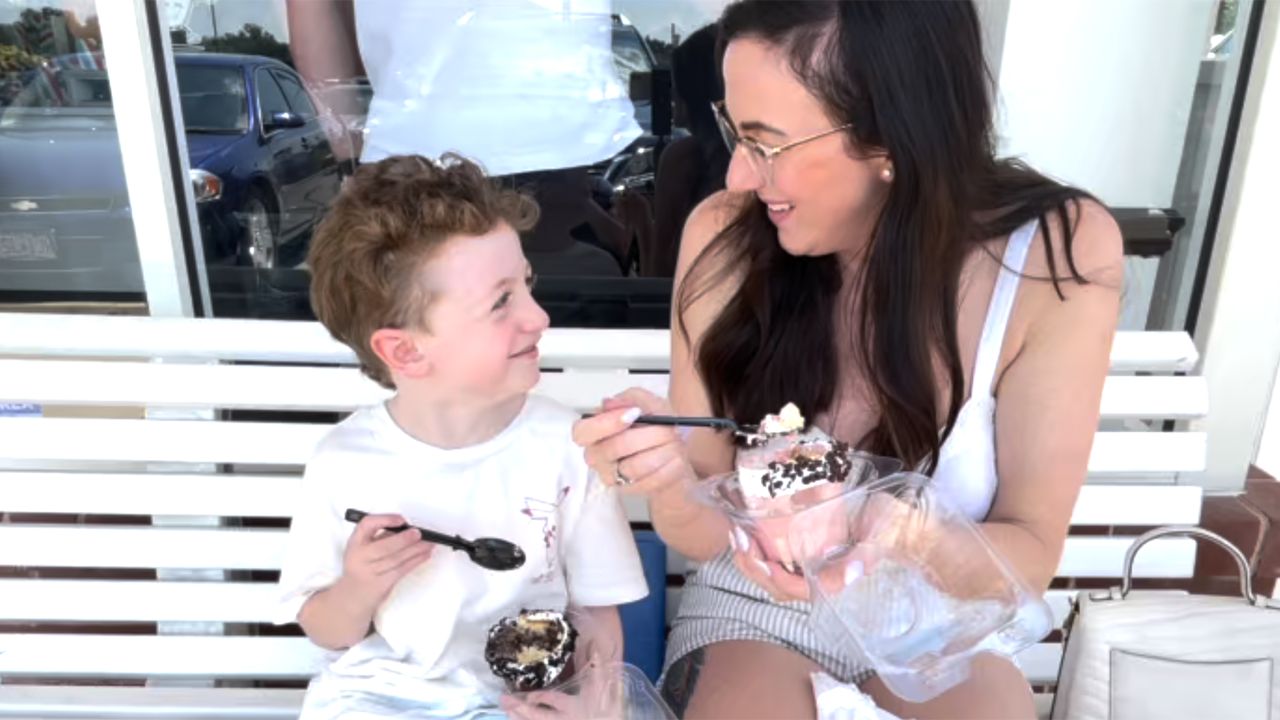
(786, 458)
(530, 650)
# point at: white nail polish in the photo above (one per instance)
(630, 416)
(764, 566)
(739, 539)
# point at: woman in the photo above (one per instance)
(874, 263)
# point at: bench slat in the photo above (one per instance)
(307, 342)
(169, 441)
(119, 546)
(150, 494)
(284, 341)
(227, 495)
(1153, 351)
(147, 656)
(228, 602)
(1155, 396)
(135, 656)
(294, 388)
(136, 601)
(1147, 453)
(1137, 505)
(116, 546)
(131, 703)
(194, 441)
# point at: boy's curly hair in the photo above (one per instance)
(391, 217)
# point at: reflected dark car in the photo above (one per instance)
(262, 170)
(261, 165)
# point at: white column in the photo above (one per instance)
(135, 97)
(1268, 457)
(1238, 329)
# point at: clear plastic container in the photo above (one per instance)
(766, 522)
(602, 691)
(903, 583)
(597, 684)
(595, 644)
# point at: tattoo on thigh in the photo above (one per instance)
(681, 680)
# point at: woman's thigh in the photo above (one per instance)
(741, 679)
(996, 688)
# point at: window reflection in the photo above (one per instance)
(65, 227)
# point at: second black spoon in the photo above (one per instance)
(489, 553)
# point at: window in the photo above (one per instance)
(299, 101)
(610, 250)
(66, 232)
(271, 99)
(213, 98)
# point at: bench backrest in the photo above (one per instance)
(155, 487)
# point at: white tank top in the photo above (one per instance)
(966, 472)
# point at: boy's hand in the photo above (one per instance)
(376, 557)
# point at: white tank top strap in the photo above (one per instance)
(1001, 307)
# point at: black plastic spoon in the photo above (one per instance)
(489, 553)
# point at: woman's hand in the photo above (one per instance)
(649, 460)
(781, 583)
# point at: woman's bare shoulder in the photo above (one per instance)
(1095, 249)
(705, 223)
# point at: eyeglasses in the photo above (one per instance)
(760, 156)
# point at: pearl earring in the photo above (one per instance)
(886, 174)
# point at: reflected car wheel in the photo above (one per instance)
(260, 236)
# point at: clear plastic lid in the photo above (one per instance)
(903, 583)
(602, 691)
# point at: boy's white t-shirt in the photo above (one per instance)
(529, 485)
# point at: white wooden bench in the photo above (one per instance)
(153, 566)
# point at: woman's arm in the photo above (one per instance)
(1048, 397)
(696, 530)
(323, 44)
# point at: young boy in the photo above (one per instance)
(418, 269)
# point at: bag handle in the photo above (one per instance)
(1242, 563)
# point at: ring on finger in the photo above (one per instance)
(618, 476)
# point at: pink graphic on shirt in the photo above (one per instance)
(548, 514)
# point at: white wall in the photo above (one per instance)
(1098, 94)
(1268, 457)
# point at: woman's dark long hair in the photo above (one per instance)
(911, 79)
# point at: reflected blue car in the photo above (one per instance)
(262, 170)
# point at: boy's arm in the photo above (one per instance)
(602, 636)
(341, 615)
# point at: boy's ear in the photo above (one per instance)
(399, 350)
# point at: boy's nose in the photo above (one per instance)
(536, 320)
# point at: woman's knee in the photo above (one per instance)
(740, 679)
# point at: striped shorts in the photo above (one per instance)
(719, 603)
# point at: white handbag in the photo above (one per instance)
(1167, 655)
